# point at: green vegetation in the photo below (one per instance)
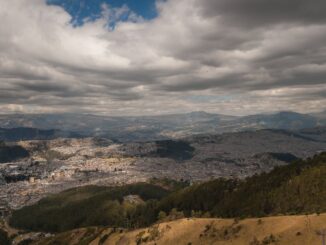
(4, 239)
(285, 157)
(169, 184)
(89, 206)
(298, 188)
(293, 189)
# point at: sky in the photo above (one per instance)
(147, 57)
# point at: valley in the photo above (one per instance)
(285, 206)
(184, 175)
(162, 122)
(59, 164)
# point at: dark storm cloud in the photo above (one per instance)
(266, 12)
(43, 87)
(232, 81)
(8, 96)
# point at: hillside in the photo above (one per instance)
(298, 188)
(89, 206)
(282, 230)
(60, 164)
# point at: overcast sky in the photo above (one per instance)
(114, 57)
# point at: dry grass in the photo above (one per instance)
(281, 230)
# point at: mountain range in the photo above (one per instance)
(144, 128)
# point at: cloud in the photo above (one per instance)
(239, 57)
(258, 13)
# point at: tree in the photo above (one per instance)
(4, 239)
(161, 215)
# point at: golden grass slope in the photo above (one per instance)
(280, 230)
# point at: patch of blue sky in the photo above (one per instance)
(91, 10)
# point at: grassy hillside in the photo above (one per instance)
(299, 188)
(282, 230)
(88, 206)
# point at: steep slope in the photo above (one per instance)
(89, 206)
(281, 230)
(293, 189)
(298, 188)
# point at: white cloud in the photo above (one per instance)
(144, 67)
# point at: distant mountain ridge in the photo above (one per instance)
(282, 120)
(160, 127)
